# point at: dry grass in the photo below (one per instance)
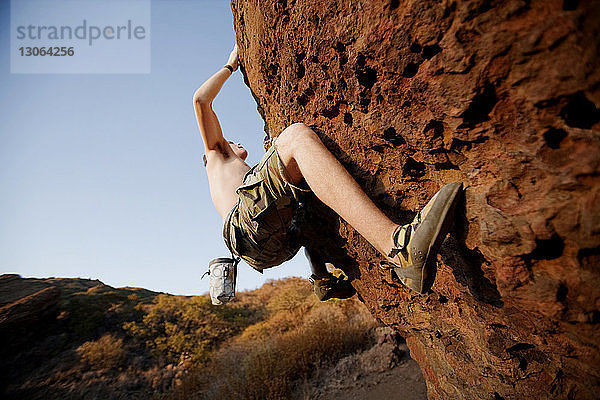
(298, 336)
(106, 352)
(260, 345)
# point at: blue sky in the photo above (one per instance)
(101, 175)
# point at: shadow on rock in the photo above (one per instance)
(316, 226)
(467, 264)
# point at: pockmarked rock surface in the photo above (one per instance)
(501, 95)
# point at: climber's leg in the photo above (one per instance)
(411, 250)
(305, 157)
(317, 265)
(325, 285)
(416, 245)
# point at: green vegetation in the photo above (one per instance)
(178, 328)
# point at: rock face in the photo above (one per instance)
(502, 95)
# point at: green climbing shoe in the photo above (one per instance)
(331, 287)
(416, 244)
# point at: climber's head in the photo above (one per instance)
(238, 149)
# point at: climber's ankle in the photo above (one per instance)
(320, 274)
(390, 244)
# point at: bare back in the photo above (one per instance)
(225, 173)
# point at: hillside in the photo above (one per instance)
(78, 338)
(44, 321)
(501, 95)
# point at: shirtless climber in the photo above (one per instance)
(258, 204)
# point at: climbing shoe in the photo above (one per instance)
(414, 254)
(331, 287)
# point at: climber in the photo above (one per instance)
(258, 204)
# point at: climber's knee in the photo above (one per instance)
(295, 136)
(294, 131)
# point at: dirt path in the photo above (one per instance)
(386, 371)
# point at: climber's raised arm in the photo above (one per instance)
(203, 97)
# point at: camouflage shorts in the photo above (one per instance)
(258, 228)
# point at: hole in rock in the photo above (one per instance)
(480, 107)
(364, 103)
(465, 145)
(340, 47)
(430, 51)
(497, 396)
(348, 119)
(557, 43)
(477, 9)
(436, 127)
(580, 112)
(548, 249)
(413, 168)
(393, 137)
(361, 60)
(554, 136)
(522, 364)
(394, 4)
(446, 165)
(331, 112)
(589, 258)
(272, 70)
(557, 381)
(561, 292)
(519, 347)
(300, 71)
(570, 5)
(410, 70)
(366, 76)
(415, 47)
(302, 99)
(449, 10)
(547, 103)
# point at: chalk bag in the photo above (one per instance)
(222, 273)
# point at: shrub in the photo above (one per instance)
(178, 328)
(106, 352)
(266, 361)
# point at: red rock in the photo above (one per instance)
(503, 96)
